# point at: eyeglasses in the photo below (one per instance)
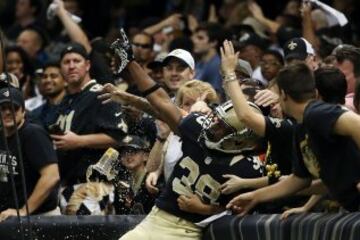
(143, 46)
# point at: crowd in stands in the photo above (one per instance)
(179, 110)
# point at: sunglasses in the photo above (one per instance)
(143, 46)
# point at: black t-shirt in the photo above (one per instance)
(335, 159)
(37, 152)
(83, 113)
(280, 135)
(201, 171)
(45, 115)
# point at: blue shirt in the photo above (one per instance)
(210, 72)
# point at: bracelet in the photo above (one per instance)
(160, 139)
(230, 78)
(150, 90)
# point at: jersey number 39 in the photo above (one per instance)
(205, 186)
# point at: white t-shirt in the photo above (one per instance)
(172, 155)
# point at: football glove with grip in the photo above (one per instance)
(123, 51)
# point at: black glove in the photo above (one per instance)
(123, 51)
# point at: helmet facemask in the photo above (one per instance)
(224, 132)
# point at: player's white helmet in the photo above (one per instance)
(223, 131)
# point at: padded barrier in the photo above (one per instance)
(71, 227)
(313, 226)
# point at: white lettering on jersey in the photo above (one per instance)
(65, 121)
(123, 126)
(206, 186)
(96, 88)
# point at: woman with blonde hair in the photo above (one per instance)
(194, 90)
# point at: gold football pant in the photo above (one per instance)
(159, 224)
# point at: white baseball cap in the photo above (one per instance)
(183, 55)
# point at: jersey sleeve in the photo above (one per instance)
(320, 118)
(110, 120)
(190, 127)
(277, 129)
(38, 146)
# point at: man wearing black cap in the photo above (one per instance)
(88, 126)
(156, 69)
(39, 161)
(299, 49)
(251, 47)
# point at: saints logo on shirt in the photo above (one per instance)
(309, 157)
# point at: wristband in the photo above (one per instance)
(230, 78)
(150, 90)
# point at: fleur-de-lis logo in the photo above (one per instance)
(292, 45)
(244, 37)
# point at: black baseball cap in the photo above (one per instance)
(297, 48)
(8, 95)
(74, 48)
(134, 142)
(285, 33)
(157, 62)
(247, 39)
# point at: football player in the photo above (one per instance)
(212, 145)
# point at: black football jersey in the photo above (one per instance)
(200, 171)
(83, 113)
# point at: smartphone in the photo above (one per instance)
(55, 129)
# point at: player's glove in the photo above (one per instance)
(123, 51)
